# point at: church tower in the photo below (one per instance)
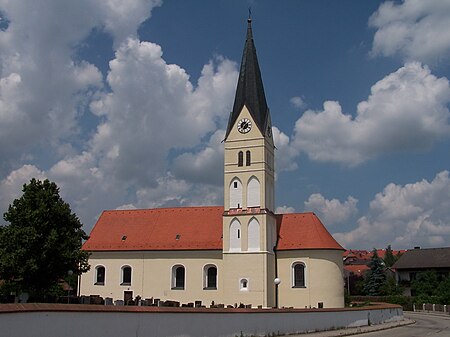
(249, 223)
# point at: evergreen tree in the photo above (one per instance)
(375, 278)
(389, 257)
(42, 241)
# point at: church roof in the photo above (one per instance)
(250, 89)
(194, 228)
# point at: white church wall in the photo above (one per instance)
(323, 279)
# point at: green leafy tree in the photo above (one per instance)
(431, 287)
(42, 241)
(375, 278)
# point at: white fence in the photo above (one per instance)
(438, 308)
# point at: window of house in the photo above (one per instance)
(298, 275)
(247, 158)
(178, 277)
(243, 284)
(210, 277)
(241, 158)
(126, 276)
(100, 275)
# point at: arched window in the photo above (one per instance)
(126, 276)
(253, 193)
(298, 273)
(236, 193)
(253, 235)
(100, 275)
(248, 158)
(241, 158)
(178, 277)
(243, 284)
(210, 277)
(235, 235)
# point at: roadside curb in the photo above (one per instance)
(357, 330)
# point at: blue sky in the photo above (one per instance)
(125, 106)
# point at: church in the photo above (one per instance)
(241, 252)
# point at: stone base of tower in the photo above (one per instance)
(248, 279)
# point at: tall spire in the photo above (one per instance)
(250, 90)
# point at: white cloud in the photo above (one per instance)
(405, 216)
(284, 210)
(11, 186)
(331, 212)
(298, 102)
(154, 108)
(414, 29)
(204, 166)
(409, 99)
(285, 153)
(148, 113)
(43, 87)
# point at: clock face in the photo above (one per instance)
(244, 125)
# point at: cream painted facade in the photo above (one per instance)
(248, 263)
(152, 275)
(323, 279)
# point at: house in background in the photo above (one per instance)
(419, 260)
(241, 252)
(356, 265)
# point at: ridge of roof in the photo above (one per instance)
(250, 89)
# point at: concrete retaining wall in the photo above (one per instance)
(50, 320)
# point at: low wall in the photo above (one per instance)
(56, 320)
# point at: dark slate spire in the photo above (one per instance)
(250, 90)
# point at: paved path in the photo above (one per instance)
(414, 325)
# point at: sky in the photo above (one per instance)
(124, 105)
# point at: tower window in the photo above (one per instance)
(241, 158)
(235, 184)
(247, 158)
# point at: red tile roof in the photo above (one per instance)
(304, 231)
(194, 228)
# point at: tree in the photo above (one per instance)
(42, 241)
(375, 278)
(389, 257)
(431, 287)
